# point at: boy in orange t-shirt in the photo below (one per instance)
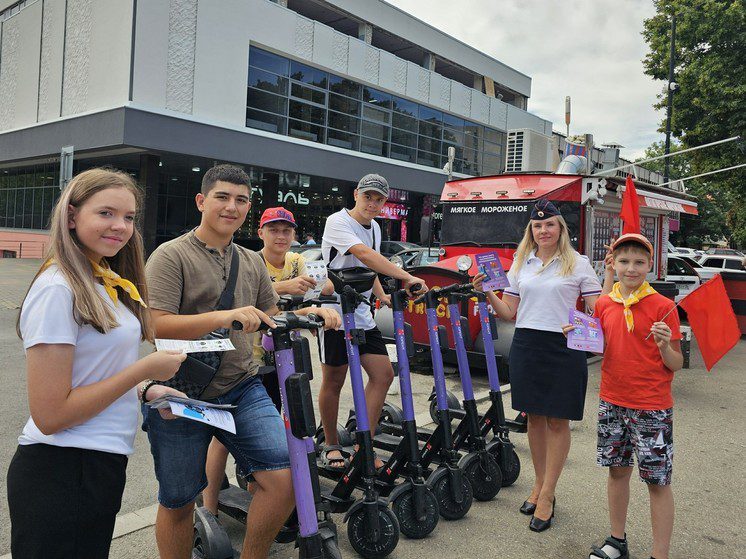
(636, 407)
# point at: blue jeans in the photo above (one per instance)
(179, 446)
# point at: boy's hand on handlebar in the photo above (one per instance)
(249, 317)
(478, 280)
(567, 328)
(414, 282)
(332, 320)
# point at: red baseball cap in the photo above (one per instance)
(634, 238)
(277, 214)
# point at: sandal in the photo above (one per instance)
(597, 552)
(334, 464)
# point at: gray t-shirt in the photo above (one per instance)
(341, 233)
(186, 277)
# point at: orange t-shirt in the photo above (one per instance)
(633, 374)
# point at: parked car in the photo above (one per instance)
(408, 259)
(684, 251)
(390, 248)
(684, 275)
(703, 273)
(724, 251)
(723, 262)
(311, 253)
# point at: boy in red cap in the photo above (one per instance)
(636, 407)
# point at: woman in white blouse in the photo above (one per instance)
(548, 380)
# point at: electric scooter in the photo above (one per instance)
(372, 528)
(413, 501)
(448, 481)
(316, 535)
(494, 418)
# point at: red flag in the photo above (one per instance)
(712, 320)
(630, 213)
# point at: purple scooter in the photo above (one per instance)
(317, 534)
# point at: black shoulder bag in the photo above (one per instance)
(198, 370)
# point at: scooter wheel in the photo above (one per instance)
(447, 506)
(411, 526)
(358, 536)
(391, 413)
(511, 469)
(485, 476)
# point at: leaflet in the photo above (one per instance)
(222, 419)
(488, 263)
(194, 346)
(587, 335)
(165, 402)
(317, 270)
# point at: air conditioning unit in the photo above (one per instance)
(528, 150)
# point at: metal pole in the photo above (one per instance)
(703, 174)
(669, 109)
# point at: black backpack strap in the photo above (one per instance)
(226, 297)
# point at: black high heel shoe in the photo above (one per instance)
(528, 508)
(539, 525)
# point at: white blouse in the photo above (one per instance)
(547, 297)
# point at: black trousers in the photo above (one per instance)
(63, 501)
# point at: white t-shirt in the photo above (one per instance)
(547, 297)
(47, 318)
(341, 233)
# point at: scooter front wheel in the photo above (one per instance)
(511, 468)
(404, 509)
(329, 550)
(357, 532)
(484, 474)
(449, 508)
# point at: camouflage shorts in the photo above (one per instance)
(649, 433)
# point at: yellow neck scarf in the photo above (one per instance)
(640, 293)
(112, 280)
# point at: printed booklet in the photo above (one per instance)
(488, 263)
(587, 335)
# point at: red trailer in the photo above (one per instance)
(490, 214)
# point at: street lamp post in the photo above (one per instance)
(672, 87)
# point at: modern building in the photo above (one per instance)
(306, 95)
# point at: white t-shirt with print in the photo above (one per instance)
(547, 297)
(47, 318)
(341, 233)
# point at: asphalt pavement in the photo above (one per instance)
(708, 469)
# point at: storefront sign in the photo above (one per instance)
(394, 211)
(663, 204)
(481, 209)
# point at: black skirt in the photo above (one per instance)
(547, 378)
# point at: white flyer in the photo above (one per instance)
(221, 419)
(317, 270)
(194, 346)
(165, 402)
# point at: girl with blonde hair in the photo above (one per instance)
(81, 323)
(548, 381)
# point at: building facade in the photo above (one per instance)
(306, 95)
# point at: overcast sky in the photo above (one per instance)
(591, 50)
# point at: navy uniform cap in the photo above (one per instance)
(544, 209)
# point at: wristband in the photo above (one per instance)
(145, 389)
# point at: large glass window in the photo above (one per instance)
(288, 97)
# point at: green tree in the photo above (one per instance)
(710, 104)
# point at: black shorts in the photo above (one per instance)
(333, 350)
(63, 501)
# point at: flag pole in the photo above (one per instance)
(665, 315)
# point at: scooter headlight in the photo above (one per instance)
(464, 263)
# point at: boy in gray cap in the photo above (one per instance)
(352, 238)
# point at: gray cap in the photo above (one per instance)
(374, 182)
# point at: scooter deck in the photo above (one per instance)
(234, 502)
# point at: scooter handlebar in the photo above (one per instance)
(288, 321)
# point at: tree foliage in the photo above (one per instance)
(711, 102)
